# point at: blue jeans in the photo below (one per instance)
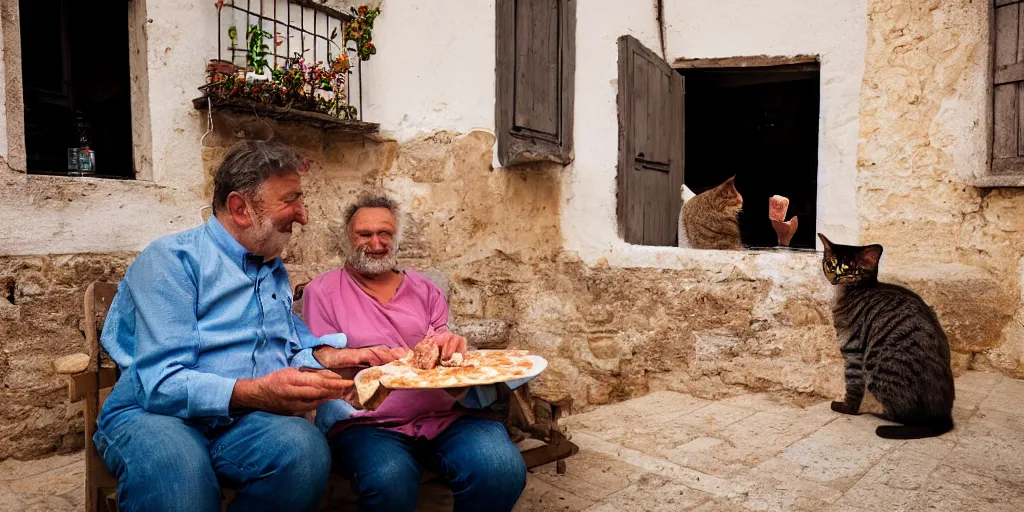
(482, 466)
(164, 464)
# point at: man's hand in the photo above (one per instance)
(289, 391)
(449, 343)
(331, 357)
(380, 354)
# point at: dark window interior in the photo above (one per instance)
(76, 77)
(760, 124)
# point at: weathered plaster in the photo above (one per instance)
(442, 79)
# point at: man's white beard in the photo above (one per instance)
(364, 264)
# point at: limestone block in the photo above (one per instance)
(485, 333)
(971, 303)
(70, 364)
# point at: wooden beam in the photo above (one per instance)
(744, 62)
(1000, 3)
(82, 384)
(549, 453)
(1011, 73)
(1008, 166)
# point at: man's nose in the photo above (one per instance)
(376, 243)
(302, 216)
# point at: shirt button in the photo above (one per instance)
(273, 296)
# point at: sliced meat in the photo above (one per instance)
(425, 356)
(777, 208)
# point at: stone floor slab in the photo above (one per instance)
(542, 496)
(591, 475)
(839, 453)
(977, 382)
(892, 484)
(951, 489)
(776, 486)
(652, 493)
(1005, 397)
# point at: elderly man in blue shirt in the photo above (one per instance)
(202, 329)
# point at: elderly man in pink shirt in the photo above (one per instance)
(384, 312)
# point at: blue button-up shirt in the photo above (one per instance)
(195, 312)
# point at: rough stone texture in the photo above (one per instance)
(923, 132)
(41, 320)
(485, 334)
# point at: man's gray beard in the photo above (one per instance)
(372, 266)
(270, 241)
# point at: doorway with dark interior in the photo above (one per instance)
(761, 125)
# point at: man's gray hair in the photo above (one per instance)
(372, 201)
(247, 165)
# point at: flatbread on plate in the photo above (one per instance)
(480, 367)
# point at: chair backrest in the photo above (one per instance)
(98, 297)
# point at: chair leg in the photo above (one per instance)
(109, 504)
(556, 414)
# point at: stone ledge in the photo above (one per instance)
(998, 181)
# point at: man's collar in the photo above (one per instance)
(234, 250)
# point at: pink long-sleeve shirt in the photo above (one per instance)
(334, 302)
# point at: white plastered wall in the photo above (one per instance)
(708, 29)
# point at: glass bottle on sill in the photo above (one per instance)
(81, 159)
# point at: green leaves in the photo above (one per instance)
(360, 31)
(256, 56)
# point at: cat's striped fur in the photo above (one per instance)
(893, 345)
(710, 219)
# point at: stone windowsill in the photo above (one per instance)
(996, 181)
(102, 180)
(625, 255)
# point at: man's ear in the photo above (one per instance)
(239, 210)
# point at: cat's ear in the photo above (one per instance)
(825, 242)
(867, 257)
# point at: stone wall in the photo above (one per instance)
(41, 318)
(924, 133)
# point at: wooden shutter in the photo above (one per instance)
(536, 67)
(650, 172)
(1008, 92)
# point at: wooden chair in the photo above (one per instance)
(532, 423)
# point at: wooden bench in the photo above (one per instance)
(532, 423)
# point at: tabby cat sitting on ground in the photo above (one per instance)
(893, 345)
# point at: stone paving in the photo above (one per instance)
(669, 451)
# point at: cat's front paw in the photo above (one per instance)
(842, 407)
